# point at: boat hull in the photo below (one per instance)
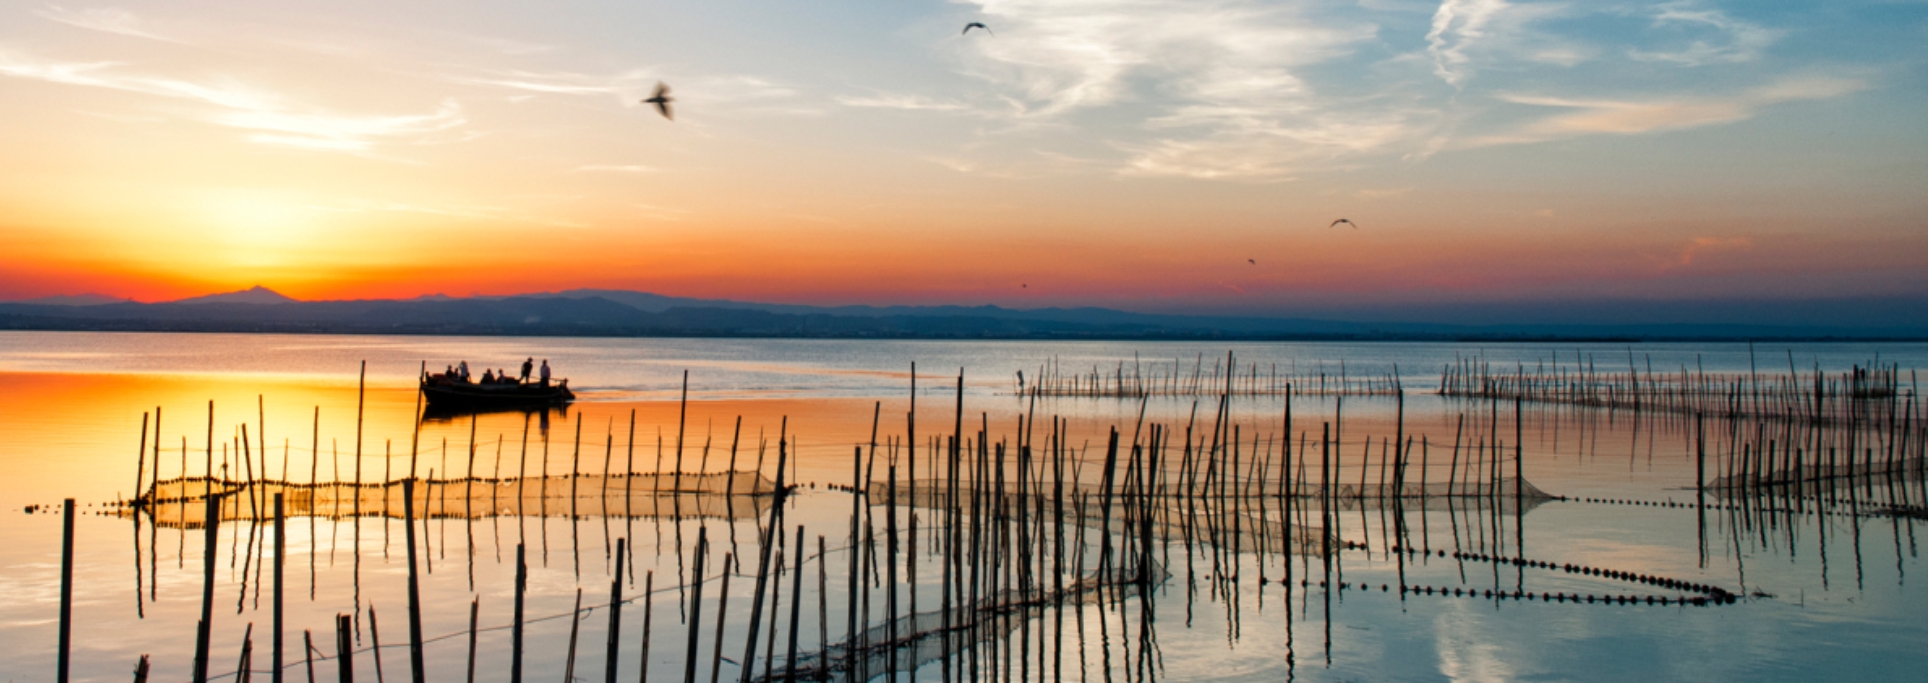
(486, 397)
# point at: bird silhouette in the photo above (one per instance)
(1336, 223)
(1252, 261)
(976, 24)
(660, 97)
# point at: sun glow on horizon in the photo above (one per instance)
(1188, 158)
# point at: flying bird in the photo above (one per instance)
(1252, 261)
(976, 24)
(1336, 223)
(660, 97)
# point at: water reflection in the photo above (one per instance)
(1414, 539)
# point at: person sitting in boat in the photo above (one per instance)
(502, 377)
(528, 365)
(545, 372)
(488, 376)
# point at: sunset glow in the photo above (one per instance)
(1152, 156)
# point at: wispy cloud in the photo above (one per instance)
(1626, 117)
(106, 20)
(1458, 25)
(906, 102)
(1694, 247)
(734, 94)
(1718, 38)
(274, 119)
(610, 168)
(1226, 77)
(564, 82)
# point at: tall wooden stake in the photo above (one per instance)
(210, 524)
(67, 584)
(414, 587)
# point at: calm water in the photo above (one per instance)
(1833, 595)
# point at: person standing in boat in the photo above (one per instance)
(462, 371)
(527, 366)
(545, 372)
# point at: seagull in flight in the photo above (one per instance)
(1252, 261)
(660, 97)
(976, 24)
(1336, 223)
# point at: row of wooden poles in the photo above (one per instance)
(1000, 564)
(1140, 379)
(1859, 394)
(253, 456)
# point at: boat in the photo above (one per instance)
(445, 392)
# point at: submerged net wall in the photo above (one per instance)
(721, 495)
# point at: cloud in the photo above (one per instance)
(275, 120)
(1458, 25)
(742, 94)
(106, 20)
(1226, 81)
(1700, 244)
(906, 102)
(1628, 117)
(1732, 41)
(609, 168)
(1077, 55)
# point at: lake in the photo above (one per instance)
(1013, 555)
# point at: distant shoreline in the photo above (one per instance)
(602, 313)
(11, 325)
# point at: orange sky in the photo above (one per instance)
(157, 152)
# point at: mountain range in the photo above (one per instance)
(601, 312)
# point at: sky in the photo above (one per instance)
(1175, 156)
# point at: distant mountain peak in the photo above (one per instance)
(252, 295)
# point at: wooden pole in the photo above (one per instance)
(722, 606)
(696, 605)
(140, 670)
(375, 636)
(210, 525)
(796, 595)
(280, 552)
(615, 613)
(414, 587)
(649, 601)
(475, 616)
(67, 584)
(140, 468)
(515, 637)
(344, 649)
(575, 628)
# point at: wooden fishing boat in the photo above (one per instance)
(446, 392)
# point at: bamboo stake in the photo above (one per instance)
(475, 616)
(722, 609)
(280, 557)
(649, 602)
(696, 605)
(210, 525)
(615, 613)
(414, 587)
(515, 638)
(796, 595)
(67, 583)
(344, 649)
